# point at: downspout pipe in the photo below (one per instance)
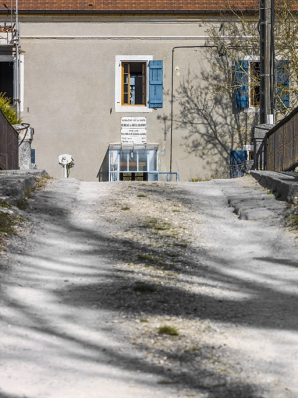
(272, 60)
(18, 59)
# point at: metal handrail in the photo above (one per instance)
(167, 173)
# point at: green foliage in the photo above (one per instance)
(4, 204)
(9, 111)
(292, 219)
(40, 183)
(146, 257)
(200, 179)
(8, 223)
(184, 245)
(169, 330)
(156, 225)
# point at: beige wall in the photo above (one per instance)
(70, 90)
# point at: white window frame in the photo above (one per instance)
(118, 83)
(251, 59)
(22, 67)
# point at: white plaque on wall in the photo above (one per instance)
(133, 130)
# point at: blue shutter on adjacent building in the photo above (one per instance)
(241, 81)
(282, 83)
(155, 84)
(32, 155)
(237, 163)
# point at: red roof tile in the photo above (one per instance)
(134, 5)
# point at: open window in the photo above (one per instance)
(247, 83)
(139, 84)
(133, 83)
(254, 84)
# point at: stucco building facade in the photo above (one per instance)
(102, 81)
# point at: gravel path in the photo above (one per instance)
(100, 268)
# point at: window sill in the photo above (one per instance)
(253, 109)
(132, 109)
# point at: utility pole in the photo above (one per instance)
(266, 83)
(266, 61)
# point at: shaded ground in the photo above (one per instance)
(103, 266)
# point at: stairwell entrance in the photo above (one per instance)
(125, 162)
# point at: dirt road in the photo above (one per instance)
(90, 293)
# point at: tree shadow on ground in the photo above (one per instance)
(112, 290)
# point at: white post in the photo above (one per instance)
(66, 162)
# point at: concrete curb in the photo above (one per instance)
(14, 183)
(284, 185)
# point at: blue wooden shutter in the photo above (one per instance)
(237, 162)
(241, 82)
(155, 84)
(32, 155)
(282, 83)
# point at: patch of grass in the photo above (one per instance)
(142, 288)
(164, 227)
(141, 195)
(168, 330)
(172, 254)
(144, 320)
(193, 349)
(183, 245)
(40, 183)
(292, 221)
(8, 222)
(125, 208)
(171, 275)
(196, 180)
(157, 225)
(155, 262)
(5, 204)
(203, 179)
(22, 204)
(146, 257)
(176, 211)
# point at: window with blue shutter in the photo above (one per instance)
(155, 84)
(32, 155)
(241, 82)
(282, 83)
